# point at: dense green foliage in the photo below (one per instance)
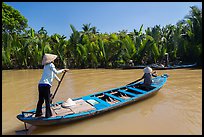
(12, 20)
(91, 49)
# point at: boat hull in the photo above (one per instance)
(121, 96)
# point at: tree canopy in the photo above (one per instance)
(12, 20)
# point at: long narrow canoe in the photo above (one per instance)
(94, 104)
(159, 67)
(174, 66)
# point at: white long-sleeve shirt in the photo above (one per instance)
(49, 73)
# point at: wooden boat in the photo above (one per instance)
(160, 67)
(94, 104)
(157, 67)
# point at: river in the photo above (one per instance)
(175, 110)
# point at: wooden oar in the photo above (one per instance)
(52, 97)
(133, 82)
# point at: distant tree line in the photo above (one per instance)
(23, 47)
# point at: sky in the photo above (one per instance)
(107, 17)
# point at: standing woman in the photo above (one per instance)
(45, 83)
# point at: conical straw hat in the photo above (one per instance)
(47, 58)
(147, 70)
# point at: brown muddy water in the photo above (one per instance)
(175, 110)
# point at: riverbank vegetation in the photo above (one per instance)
(23, 47)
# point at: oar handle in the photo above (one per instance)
(58, 86)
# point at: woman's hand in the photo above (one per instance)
(66, 70)
(155, 73)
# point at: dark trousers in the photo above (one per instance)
(44, 95)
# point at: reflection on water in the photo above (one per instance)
(175, 109)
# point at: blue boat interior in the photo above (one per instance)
(117, 95)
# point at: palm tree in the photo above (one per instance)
(86, 28)
(6, 50)
(194, 33)
(74, 40)
(128, 49)
(59, 47)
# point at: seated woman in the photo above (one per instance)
(147, 78)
